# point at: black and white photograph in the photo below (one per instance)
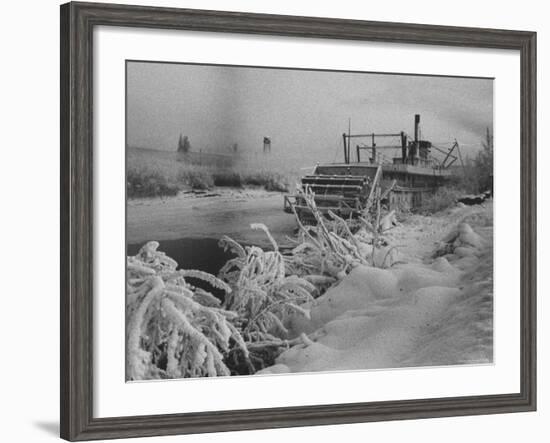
(232, 221)
(292, 221)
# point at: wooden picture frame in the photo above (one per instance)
(77, 23)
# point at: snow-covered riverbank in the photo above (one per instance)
(435, 307)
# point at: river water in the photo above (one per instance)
(188, 227)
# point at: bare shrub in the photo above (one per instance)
(148, 183)
(227, 178)
(270, 181)
(195, 178)
(441, 199)
(477, 174)
(154, 173)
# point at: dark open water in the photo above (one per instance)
(203, 254)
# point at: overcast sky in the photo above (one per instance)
(304, 112)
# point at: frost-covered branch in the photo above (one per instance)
(174, 329)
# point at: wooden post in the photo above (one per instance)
(373, 149)
(349, 139)
(403, 147)
(374, 185)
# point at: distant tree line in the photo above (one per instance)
(484, 162)
(184, 145)
(478, 171)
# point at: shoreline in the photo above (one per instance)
(211, 214)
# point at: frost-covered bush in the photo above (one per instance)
(177, 330)
(443, 198)
(263, 294)
(328, 250)
(174, 329)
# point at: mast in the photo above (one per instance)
(349, 139)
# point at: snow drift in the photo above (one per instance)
(435, 309)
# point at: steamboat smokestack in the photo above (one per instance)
(416, 128)
(413, 147)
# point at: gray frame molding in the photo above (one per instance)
(77, 23)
